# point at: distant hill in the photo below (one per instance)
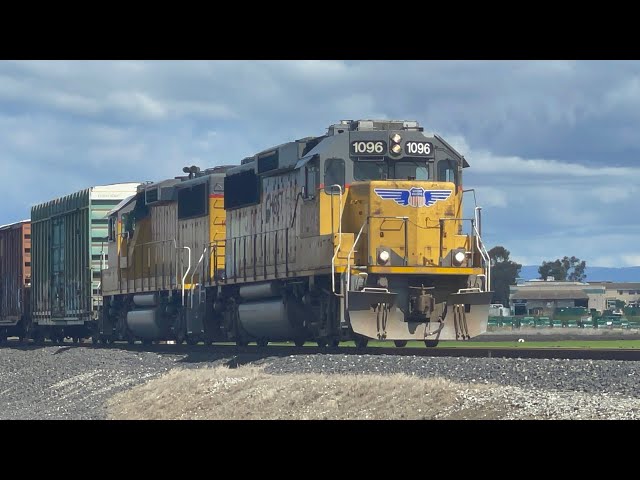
(594, 274)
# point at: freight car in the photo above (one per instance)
(15, 278)
(68, 254)
(357, 234)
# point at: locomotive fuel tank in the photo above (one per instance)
(148, 323)
(268, 318)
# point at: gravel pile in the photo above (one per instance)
(524, 388)
(590, 376)
(60, 382)
(74, 383)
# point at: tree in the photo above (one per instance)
(503, 273)
(552, 269)
(571, 269)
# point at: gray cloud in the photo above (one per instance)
(553, 145)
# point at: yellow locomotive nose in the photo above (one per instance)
(408, 277)
(403, 223)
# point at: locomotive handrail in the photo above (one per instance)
(214, 251)
(348, 268)
(482, 249)
(366, 222)
(186, 273)
(335, 253)
(441, 244)
(238, 252)
(195, 269)
(405, 221)
(148, 244)
(142, 247)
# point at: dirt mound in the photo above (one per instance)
(249, 393)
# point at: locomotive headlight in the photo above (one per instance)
(396, 149)
(458, 258)
(395, 138)
(383, 257)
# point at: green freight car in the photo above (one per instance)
(68, 253)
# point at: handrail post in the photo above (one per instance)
(286, 251)
(346, 292)
(255, 268)
(335, 253)
(441, 242)
(184, 277)
(215, 261)
(275, 255)
(482, 249)
(193, 274)
(406, 242)
(473, 229)
(264, 254)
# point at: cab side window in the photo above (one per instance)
(311, 178)
(333, 175)
(112, 228)
(447, 171)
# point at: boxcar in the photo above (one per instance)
(69, 237)
(15, 277)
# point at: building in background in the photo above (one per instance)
(543, 297)
(628, 292)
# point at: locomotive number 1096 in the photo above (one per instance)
(418, 148)
(377, 147)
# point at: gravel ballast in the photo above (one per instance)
(56, 382)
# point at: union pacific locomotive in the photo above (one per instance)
(357, 234)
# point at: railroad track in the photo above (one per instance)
(251, 352)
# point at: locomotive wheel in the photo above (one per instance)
(334, 343)
(262, 343)
(400, 343)
(146, 342)
(95, 340)
(431, 343)
(76, 340)
(322, 343)
(192, 341)
(299, 342)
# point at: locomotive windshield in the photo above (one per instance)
(407, 169)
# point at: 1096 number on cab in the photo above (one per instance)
(364, 147)
(418, 148)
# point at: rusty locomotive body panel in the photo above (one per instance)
(15, 275)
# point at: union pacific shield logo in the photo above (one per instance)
(416, 197)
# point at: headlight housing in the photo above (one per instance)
(383, 257)
(458, 258)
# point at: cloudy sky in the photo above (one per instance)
(553, 145)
